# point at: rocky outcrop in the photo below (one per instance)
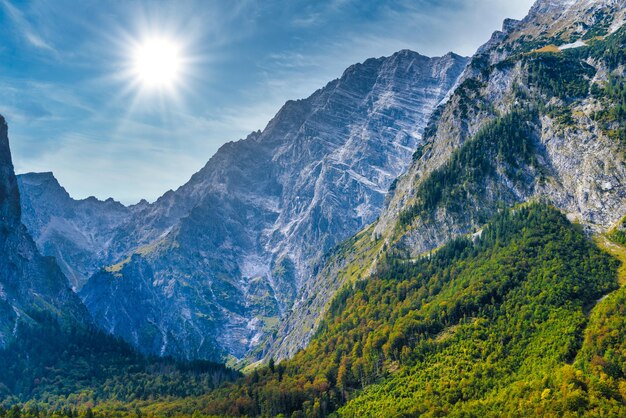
(235, 255)
(572, 153)
(9, 193)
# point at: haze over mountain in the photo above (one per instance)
(76, 233)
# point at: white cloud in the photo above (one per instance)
(24, 27)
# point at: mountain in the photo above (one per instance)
(467, 297)
(558, 95)
(50, 349)
(536, 116)
(491, 283)
(30, 284)
(208, 270)
(77, 233)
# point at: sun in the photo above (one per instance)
(157, 63)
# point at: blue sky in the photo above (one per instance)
(73, 109)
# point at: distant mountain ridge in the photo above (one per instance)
(49, 345)
(76, 232)
(208, 269)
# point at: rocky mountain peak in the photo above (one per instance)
(10, 211)
(561, 10)
(80, 229)
(550, 24)
(230, 250)
(509, 25)
(44, 181)
(559, 6)
(571, 150)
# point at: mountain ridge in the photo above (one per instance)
(487, 285)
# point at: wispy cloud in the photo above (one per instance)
(29, 34)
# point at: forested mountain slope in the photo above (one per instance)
(480, 290)
(509, 322)
(527, 122)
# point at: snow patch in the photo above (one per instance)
(617, 23)
(17, 320)
(164, 345)
(167, 231)
(576, 44)
(186, 313)
(476, 235)
(256, 326)
(254, 266)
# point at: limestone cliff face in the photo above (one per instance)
(236, 262)
(209, 269)
(577, 156)
(29, 283)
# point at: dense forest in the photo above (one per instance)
(505, 142)
(513, 321)
(66, 366)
